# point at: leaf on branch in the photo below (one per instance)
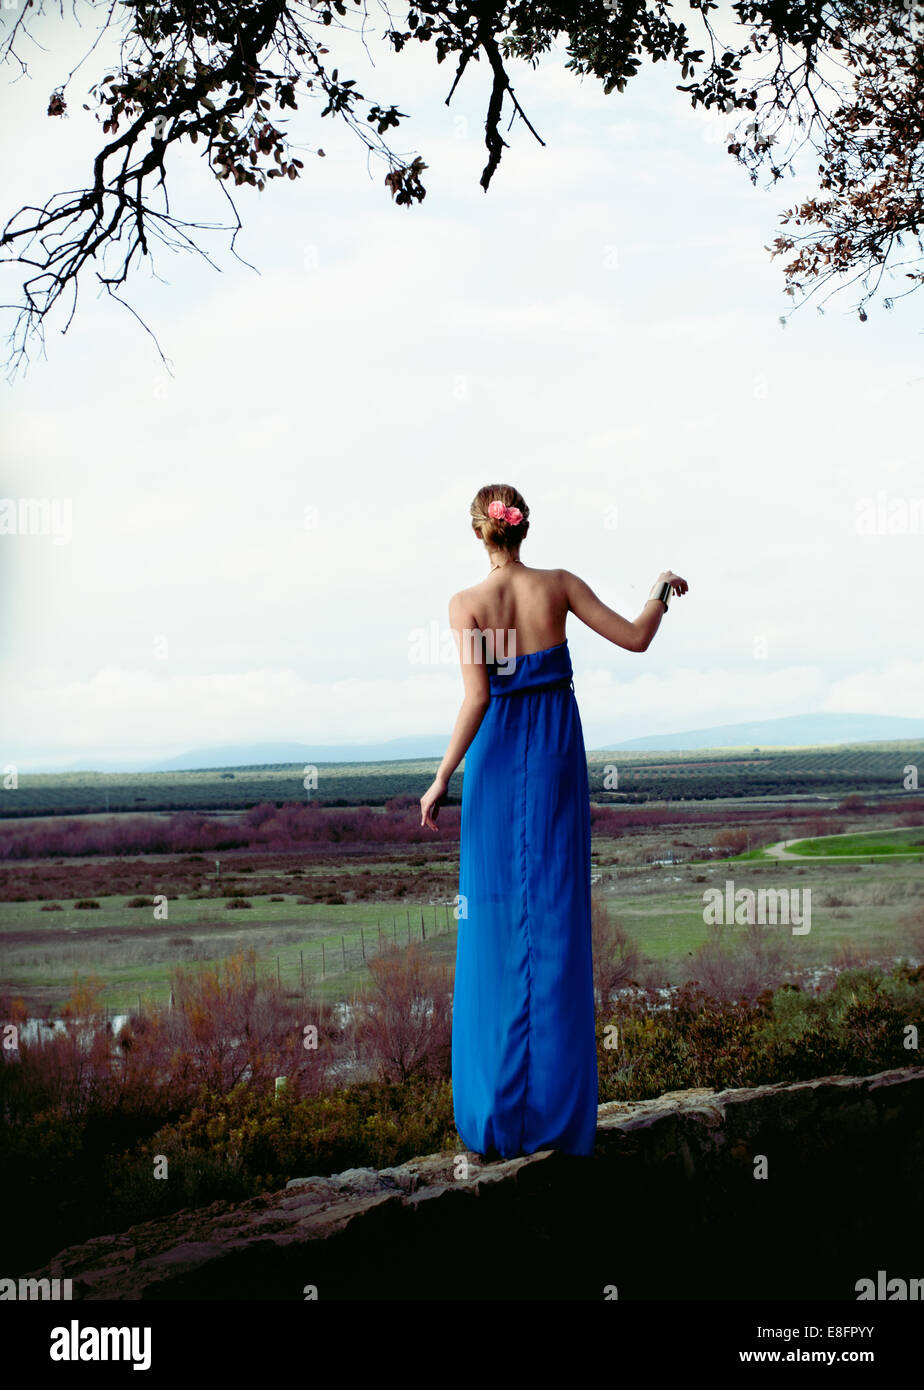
(405, 182)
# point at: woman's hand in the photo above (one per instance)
(678, 585)
(430, 802)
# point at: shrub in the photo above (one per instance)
(246, 1142)
(615, 953)
(856, 1027)
(740, 962)
(404, 1023)
(735, 841)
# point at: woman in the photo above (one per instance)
(524, 1058)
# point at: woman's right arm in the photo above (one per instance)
(633, 636)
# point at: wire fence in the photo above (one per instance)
(337, 955)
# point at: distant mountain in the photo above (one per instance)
(794, 731)
(259, 754)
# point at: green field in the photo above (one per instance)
(879, 842)
(116, 943)
(855, 908)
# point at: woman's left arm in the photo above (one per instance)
(475, 701)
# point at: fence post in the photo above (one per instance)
(301, 957)
(362, 936)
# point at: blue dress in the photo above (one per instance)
(524, 1057)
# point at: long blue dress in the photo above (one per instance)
(524, 1058)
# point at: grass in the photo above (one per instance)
(661, 909)
(909, 843)
(139, 962)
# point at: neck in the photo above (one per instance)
(501, 559)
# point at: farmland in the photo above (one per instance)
(869, 769)
(317, 910)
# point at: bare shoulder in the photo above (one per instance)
(467, 595)
(568, 577)
(573, 589)
(561, 578)
(461, 602)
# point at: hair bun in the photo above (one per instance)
(500, 515)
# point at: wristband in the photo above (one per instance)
(662, 592)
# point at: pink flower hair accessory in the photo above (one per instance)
(497, 511)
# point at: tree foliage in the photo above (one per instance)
(843, 80)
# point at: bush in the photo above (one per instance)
(616, 955)
(404, 1023)
(856, 1027)
(238, 1145)
(735, 841)
(740, 962)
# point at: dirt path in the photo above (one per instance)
(779, 851)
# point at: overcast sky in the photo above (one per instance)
(254, 540)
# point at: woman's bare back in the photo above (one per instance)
(530, 606)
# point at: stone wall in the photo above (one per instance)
(671, 1206)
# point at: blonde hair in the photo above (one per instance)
(499, 532)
